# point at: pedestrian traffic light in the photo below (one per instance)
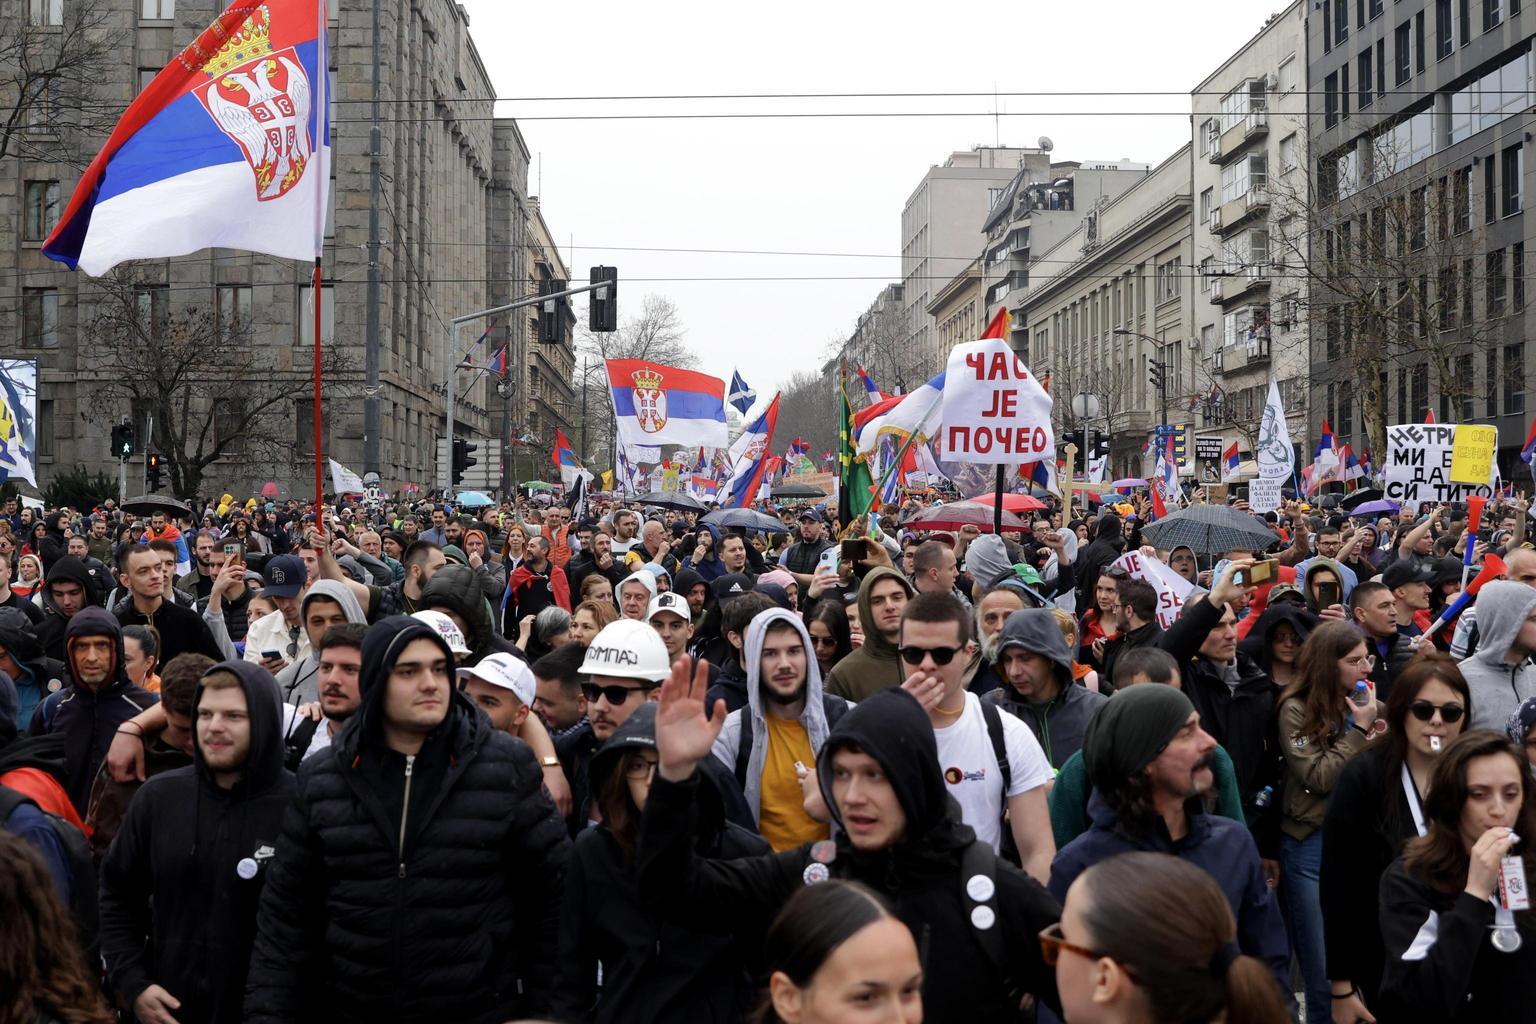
(152, 468)
(551, 311)
(122, 441)
(462, 452)
(603, 300)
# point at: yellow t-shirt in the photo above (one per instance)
(782, 819)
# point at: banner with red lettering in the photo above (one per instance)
(1172, 589)
(995, 410)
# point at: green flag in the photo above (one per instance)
(855, 484)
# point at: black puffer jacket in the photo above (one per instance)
(411, 890)
(455, 588)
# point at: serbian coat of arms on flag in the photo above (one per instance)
(650, 400)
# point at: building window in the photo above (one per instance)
(1341, 22)
(228, 417)
(154, 308)
(1420, 388)
(1502, 92)
(1402, 52)
(1374, 9)
(1168, 280)
(307, 315)
(42, 210)
(1445, 32)
(234, 307)
(157, 10)
(1288, 157)
(1364, 78)
(1331, 100)
(304, 426)
(1206, 199)
(1207, 269)
(1327, 26)
(1493, 376)
(46, 12)
(40, 317)
(1344, 91)
(1492, 14)
(1466, 22)
(1512, 167)
(1496, 285)
(1205, 135)
(1517, 269)
(1239, 178)
(44, 429)
(1446, 297)
(1287, 76)
(1514, 379)
(1490, 207)
(1461, 199)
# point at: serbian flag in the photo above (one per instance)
(498, 363)
(566, 462)
(1367, 470)
(656, 405)
(1326, 452)
(1528, 450)
(1352, 468)
(750, 462)
(870, 388)
(1229, 463)
(228, 147)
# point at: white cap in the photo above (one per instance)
(671, 602)
(627, 649)
(507, 672)
(451, 634)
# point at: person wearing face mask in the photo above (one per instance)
(1455, 951)
(1146, 938)
(650, 969)
(838, 954)
(1376, 807)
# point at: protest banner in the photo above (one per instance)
(1172, 589)
(995, 411)
(1472, 453)
(1208, 459)
(1418, 464)
(1265, 494)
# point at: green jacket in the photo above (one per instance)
(1069, 797)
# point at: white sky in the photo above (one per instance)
(823, 185)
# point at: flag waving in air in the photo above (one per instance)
(228, 146)
(566, 462)
(656, 405)
(870, 388)
(1229, 462)
(1327, 447)
(742, 396)
(750, 459)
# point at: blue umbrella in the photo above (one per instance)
(474, 499)
(1375, 508)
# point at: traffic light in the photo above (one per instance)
(1159, 372)
(603, 301)
(462, 450)
(152, 469)
(122, 441)
(551, 311)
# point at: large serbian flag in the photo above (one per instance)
(220, 149)
(751, 462)
(656, 405)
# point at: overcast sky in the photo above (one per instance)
(816, 185)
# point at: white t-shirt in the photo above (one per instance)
(970, 767)
(318, 742)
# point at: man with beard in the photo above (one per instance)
(780, 732)
(180, 884)
(1038, 686)
(339, 657)
(1135, 624)
(534, 585)
(991, 612)
(1150, 761)
(200, 580)
(626, 528)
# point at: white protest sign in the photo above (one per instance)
(1172, 589)
(995, 411)
(1264, 494)
(344, 481)
(1418, 465)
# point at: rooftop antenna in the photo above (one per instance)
(997, 132)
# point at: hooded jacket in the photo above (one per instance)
(299, 682)
(54, 546)
(1498, 688)
(39, 675)
(88, 718)
(1256, 644)
(921, 874)
(1058, 723)
(710, 568)
(411, 889)
(875, 665)
(813, 718)
(1345, 576)
(455, 588)
(50, 632)
(177, 909)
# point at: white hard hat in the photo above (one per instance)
(627, 649)
(451, 634)
(506, 671)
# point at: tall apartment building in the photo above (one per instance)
(939, 238)
(879, 340)
(1420, 119)
(1249, 166)
(957, 310)
(545, 385)
(1111, 296)
(454, 213)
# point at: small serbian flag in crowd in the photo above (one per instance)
(1326, 453)
(874, 393)
(1528, 450)
(228, 146)
(499, 362)
(655, 405)
(1229, 462)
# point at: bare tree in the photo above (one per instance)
(52, 55)
(211, 394)
(808, 410)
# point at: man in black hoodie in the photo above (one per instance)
(975, 916)
(67, 588)
(53, 546)
(180, 883)
(99, 698)
(419, 872)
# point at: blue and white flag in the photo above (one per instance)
(18, 420)
(742, 396)
(749, 459)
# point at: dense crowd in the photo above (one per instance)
(410, 762)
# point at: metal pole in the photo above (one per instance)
(318, 292)
(372, 425)
(122, 481)
(583, 379)
(445, 469)
(149, 442)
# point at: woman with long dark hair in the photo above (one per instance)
(1455, 950)
(831, 635)
(651, 970)
(1321, 728)
(1377, 806)
(43, 975)
(836, 954)
(1146, 938)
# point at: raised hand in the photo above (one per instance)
(684, 734)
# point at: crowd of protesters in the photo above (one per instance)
(406, 762)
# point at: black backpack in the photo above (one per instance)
(994, 719)
(833, 707)
(82, 870)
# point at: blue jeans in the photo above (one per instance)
(1301, 898)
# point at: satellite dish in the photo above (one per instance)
(1045, 143)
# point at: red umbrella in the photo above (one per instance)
(960, 514)
(1011, 502)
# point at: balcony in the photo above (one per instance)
(1244, 356)
(1223, 146)
(1231, 216)
(1244, 283)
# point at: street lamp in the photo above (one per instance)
(1085, 409)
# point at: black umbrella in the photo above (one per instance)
(798, 491)
(1209, 530)
(676, 500)
(149, 504)
(746, 519)
(1360, 497)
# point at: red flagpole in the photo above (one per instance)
(322, 169)
(319, 298)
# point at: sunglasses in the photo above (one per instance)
(616, 694)
(1052, 942)
(1423, 710)
(941, 655)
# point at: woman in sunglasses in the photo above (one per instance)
(1146, 938)
(1377, 806)
(1324, 721)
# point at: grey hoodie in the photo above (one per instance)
(1058, 723)
(300, 682)
(813, 718)
(1498, 687)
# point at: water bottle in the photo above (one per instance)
(1264, 796)
(1360, 696)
